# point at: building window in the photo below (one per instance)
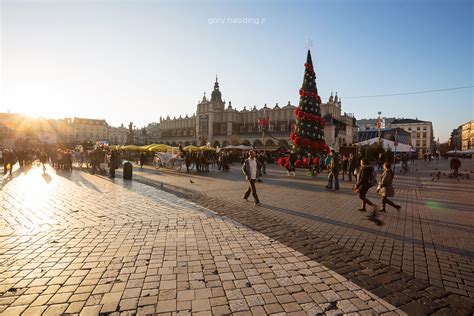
(418, 128)
(184, 133)
(250, 128)
(424, 128)
(270, 127)
(242, 129)
(417, 143)
(223, 128)
(283, 128)
(409, 129)
(424, 134)
(203, 124)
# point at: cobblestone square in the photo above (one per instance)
(78, 244)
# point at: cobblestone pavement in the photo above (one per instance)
(73, 243)
(418, 259)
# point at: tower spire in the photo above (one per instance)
(216, 94)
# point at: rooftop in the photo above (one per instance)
(407, 121)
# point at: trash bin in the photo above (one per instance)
(127, 170)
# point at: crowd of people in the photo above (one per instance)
(97, 159)
(339, 167)
(342, 167)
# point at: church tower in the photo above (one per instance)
(216, 94)
(208, 114)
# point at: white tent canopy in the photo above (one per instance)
(388, 144)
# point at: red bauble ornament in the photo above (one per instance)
(305, 162)
(298, 163)
(314, 146)
(297, 140)
(315, 161)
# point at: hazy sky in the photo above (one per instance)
(139, 60)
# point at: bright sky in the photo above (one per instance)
(139, 60)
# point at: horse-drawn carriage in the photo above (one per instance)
(168, 160)
(190, 156)
(81, 156)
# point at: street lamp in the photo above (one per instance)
(378, 125)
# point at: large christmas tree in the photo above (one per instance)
(308, 134)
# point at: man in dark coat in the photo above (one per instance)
(143, 159)
(333, 170)
(351, 164)
(114, 162)
(363, 184)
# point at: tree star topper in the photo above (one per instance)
(308, 43)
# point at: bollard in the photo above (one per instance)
(127, 170)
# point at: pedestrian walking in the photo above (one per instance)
(9, 160)
(333, 170)
(351, 164)
(455, 164)
(365, 180)
(43, 158)
(263, 161)
(385, 188)
(142, 159)
(345, 166)
(114, 162)
(380, 162)
(225, 162)
(309, 160)
(291, 164)
(328, 161)
(250, 169)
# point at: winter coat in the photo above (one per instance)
(351, 164)
(363, 178)
(246, 168)
(386, 184)
(114, 160)
(334, 165)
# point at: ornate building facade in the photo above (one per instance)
(117, 135)
(221, 124)
(467, 136)
(85, 129)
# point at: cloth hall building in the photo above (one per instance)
(221, 124)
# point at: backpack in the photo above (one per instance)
(372, 179)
